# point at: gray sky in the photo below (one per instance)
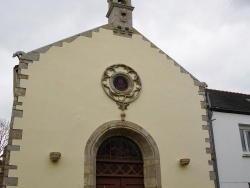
(211, 39)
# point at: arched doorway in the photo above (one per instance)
(119, 164)
(132, 131)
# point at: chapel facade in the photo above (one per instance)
(106, 108)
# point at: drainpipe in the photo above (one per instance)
(210, 115)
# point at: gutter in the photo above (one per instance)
(210, 115)
(219, 109)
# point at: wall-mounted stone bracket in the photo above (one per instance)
(10, 181)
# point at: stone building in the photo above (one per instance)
(106, 108)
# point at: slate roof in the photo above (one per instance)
(229, 102)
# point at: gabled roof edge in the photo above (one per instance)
(34, 55)
(182, 69)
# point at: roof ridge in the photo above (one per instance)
(228, 92)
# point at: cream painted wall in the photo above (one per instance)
(65, 103)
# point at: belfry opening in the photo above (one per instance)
(122, 1)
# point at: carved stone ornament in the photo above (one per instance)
(122, 84)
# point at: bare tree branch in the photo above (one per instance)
(4, 134)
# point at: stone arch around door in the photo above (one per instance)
(149, 149)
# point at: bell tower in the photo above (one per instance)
(120, 16)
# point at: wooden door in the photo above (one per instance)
(132, 182)
(119, 164)
(119, 182)
(106, 182)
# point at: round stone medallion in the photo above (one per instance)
(122, 84)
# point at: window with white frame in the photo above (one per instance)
(245, 137)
